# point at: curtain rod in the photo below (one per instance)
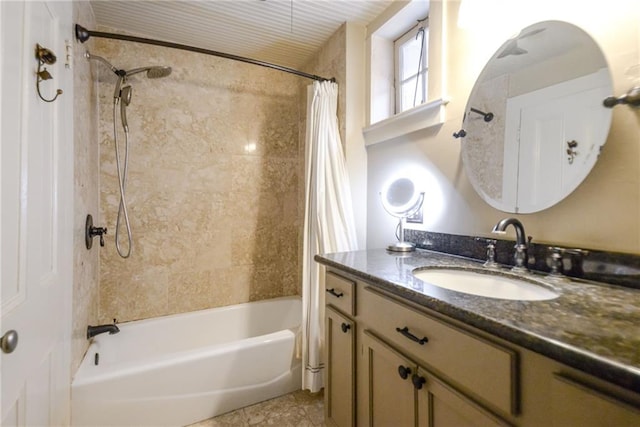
(82, 34)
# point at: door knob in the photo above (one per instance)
(9, 341)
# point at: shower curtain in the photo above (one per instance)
(328, 225)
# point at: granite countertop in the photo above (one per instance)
(593, 327)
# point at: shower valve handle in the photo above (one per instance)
(90, 232)
(98, 231)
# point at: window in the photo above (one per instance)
(411, 67)
(387, 119)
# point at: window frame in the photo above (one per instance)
(411, 33)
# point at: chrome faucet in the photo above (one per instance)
(520, 257)
(92, 331)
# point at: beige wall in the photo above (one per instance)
(86, 195)
(603, 213)
(214, 223)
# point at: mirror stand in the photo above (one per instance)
(401, 245)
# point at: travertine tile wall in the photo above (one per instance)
(213, 188)
(86, 194)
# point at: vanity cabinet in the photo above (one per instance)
(393, 362)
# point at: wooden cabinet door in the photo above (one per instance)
(389, 395)
(340, 372)
(439, 405)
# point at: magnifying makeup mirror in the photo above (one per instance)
(401, 199)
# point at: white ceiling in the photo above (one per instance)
(283, 32)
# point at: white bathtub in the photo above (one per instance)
(179, 369)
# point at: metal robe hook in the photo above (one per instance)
(632, 98)
(45, 56)
(460, 134)
(571, 150)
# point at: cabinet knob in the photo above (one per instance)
(345, 327)
(418, 381)
(404, 372)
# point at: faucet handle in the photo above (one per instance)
(531, 259)
(491, 252)
(554, 260)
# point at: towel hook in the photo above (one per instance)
(487, 116)
(632, 98)
(45, 56)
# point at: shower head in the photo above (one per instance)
(153, 72)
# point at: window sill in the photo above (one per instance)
(421, 117)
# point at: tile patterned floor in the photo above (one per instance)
(298, 409)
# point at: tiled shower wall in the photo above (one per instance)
(213, 184)
(85, 263)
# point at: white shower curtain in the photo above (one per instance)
(328, 224)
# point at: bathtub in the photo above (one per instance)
(180, 369)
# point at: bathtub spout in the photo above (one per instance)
(92, 331)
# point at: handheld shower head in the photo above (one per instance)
(125, 96)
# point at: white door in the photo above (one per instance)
(36, 227)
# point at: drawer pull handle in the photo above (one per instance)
(405, 331)
(345, 327)
(418, 381)
(404, 372)
(333, 292)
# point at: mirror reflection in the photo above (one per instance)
(535, 122)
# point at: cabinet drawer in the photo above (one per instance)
(476, 366)
(340, 293)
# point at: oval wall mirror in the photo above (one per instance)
(535, 122)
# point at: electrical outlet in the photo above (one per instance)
(416, 218)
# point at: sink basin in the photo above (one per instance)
(485, 283)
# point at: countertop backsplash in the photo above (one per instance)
(609, 267)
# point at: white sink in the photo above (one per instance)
(485, 284)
